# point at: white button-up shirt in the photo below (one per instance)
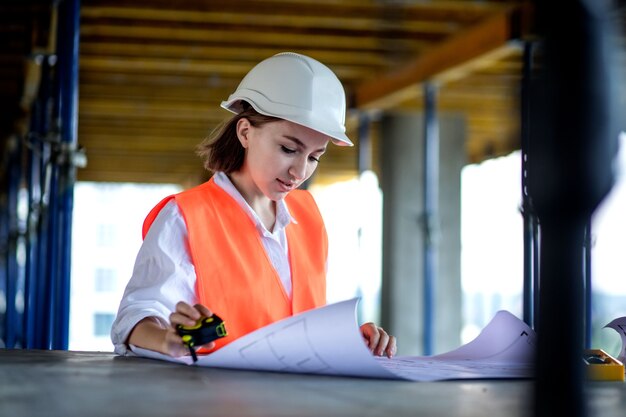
(164, 274)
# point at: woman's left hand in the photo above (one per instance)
(378, 341)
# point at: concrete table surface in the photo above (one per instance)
(64, 383)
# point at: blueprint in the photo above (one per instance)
(327, 340)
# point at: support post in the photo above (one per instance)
(64, 172)
(588, 285)
(529, 307)
(573, 148)
(430, 214)
(364, 161)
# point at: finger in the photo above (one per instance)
(203, 310)
(383, 340)
(182, 319)
(187, 310)
(392, 347)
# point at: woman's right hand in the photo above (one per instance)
(153, 334)
(185, 315)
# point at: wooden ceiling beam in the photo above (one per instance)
(194, 67)
(247, 37)
(499, 59)
(161, 80)
(105, 122)
(489, 35)
(126, 109)
(243, 54)
(278, 19)
(105, 141)
(141, 129)
(440, 10)
(162, 66)
(154, 92)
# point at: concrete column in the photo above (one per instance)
(403, 236)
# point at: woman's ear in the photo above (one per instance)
(243, 130)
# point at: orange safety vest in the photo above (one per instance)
(234, 276)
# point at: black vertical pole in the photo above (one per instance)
(574, 143)
(529, 260)
(536, 239)
(431, 197)
(588, 287)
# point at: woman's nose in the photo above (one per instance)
(298, 168)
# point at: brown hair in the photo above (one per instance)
(221, 150)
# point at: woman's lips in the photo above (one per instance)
(286, 186)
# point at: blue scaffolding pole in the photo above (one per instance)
(64, 171)
(34, 291)
(431, 200)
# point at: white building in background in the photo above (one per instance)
(106, 235)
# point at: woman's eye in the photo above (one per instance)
(313, 159)
(287, 150)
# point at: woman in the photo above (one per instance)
(246, 244)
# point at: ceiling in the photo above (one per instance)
(152, 73)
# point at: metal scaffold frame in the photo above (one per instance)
(40, 171)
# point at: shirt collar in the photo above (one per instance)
(283, 216)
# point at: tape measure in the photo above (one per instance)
(204, 331)
(600, 366)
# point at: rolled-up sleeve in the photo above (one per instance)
(162, 276)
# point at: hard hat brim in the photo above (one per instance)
(299, 117)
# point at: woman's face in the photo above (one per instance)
(279, 156)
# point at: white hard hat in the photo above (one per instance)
(297, 88)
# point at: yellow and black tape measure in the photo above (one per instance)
(206, 329)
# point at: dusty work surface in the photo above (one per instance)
(88, 384)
